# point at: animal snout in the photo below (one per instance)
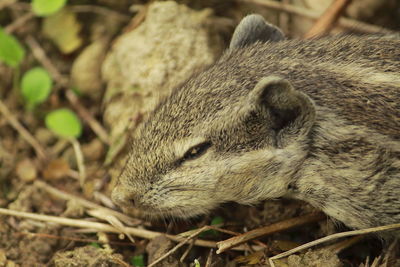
(126, 199)
(122, 197)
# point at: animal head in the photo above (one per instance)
(224, 135)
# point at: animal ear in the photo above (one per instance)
(254, 28)
(289, 113)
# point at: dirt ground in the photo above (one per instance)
(109, 69)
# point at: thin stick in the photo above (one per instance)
(343, 22)
(188, 249)
(25, 134)
(19, 22)
(328, 19)
(76, 239)
(270, 229)
(183, 242)
(86, 203)
(138, 19)
(340, 246)
(209, 258)
(40, 55)
(79, 160)
(333, 237)
(96, 226)
(85, 115)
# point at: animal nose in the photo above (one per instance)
(122, 197)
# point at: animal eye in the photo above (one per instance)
(196, 151)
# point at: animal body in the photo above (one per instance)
(317, 120)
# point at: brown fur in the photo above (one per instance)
(317, 120)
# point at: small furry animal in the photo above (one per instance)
(317, 120)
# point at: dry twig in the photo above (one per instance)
(209, 258)
(333, 237)
(79, 161)
(96, 227)
(270, 229)
(346, 23)
(75, 239)
(25, 134)
(340, 246)
(40, 55)
(19, 22)
(328, 19)
(188, 249)
(138, 19)
(87, 204)
(183, 242)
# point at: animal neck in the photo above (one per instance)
(346, 167)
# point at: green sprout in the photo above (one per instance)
(47, 7)
(64, 122)
(217, 220)
(36, 86)
(11, 51)
(95, 245)
(138, 260)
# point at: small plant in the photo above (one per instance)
(138, 260)
(64, 122)
(47, 7)
(11, 51)
(217, 220)
(36, 86)
(95, 245)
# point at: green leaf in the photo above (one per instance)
(63, 29)
(196, 263)
(138, 260)
(47, 7)
(217, 220)
(94, 244)
(213, 233)
(64, 122)
(11, 51)
(36, 86)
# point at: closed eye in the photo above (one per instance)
(195, 151)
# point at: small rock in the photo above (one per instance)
(26, 170)
(144, 64)
(315, 258)
(11, 264)
(85, 73)
(86, 256)
(45, 136)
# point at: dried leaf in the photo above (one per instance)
(56, 169)
(63, 29)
